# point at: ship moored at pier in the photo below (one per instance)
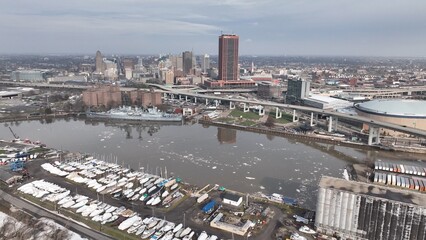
(136, 114)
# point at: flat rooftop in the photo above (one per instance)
(373, 190)
(395, 107)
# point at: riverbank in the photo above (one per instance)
(334, 141)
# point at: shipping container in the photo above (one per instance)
(412, 186)
(402, 169)
(416, 184)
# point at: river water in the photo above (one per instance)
(242, 161)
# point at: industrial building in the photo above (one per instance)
(409, 113)
(232, 199)
(326, 102)
(29, 75)
(356, 210)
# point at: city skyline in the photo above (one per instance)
(270, 27)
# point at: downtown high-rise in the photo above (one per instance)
(228, 57)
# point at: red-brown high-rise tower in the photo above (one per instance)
(228, 57)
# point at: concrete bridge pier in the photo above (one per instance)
(216, 102)
(314, 122)
(165, 95)
(207, 102)
(180, 97)
(278, 113)
(261, 111)
(330, 124)
(231, 105)
(373, 135)
(295, 117)
(246, 108)
(336, 120)
(186, 98)
(195, 99)
(172, 96)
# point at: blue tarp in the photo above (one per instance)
(209, 206)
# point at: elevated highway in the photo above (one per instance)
(355, 118)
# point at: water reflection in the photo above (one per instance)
(226, 135)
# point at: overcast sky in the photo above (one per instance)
(265, 27)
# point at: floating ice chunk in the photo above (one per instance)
(262, 187)
(250, 178)
(214, 167)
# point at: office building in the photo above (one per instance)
(169, 77)
(297, 90)
(188, 62)
(205, 63)
(228, 57)
(356, 210)
(270, 90)
(100, 65)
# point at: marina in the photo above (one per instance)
(250, 163)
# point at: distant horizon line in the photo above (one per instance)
(242, 55)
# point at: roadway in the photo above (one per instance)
(40, 212)
(356, 118)
(399, 128)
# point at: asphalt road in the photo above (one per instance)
(36, 210)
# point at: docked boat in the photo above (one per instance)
(306, 229)
(64, 200)
(80, 204)
(128, 222)
(174, 186)
(296, 236)
(185, 232)
(136, 114)
(177, 228)
(203, 236)
(68, 204)
(147, 233)
(156, 201)
(140, 230)
(189, 236)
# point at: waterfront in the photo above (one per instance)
(243, 161)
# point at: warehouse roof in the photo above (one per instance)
(373, 190)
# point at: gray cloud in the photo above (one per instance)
(326, 27)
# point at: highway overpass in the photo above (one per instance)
(356, 118)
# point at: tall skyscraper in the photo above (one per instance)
(187, 62)
(228, 57)
(100, 66)
(205, 63)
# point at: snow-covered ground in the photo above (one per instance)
(49, 225)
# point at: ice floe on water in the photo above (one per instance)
(250, 178)
(214, 167)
